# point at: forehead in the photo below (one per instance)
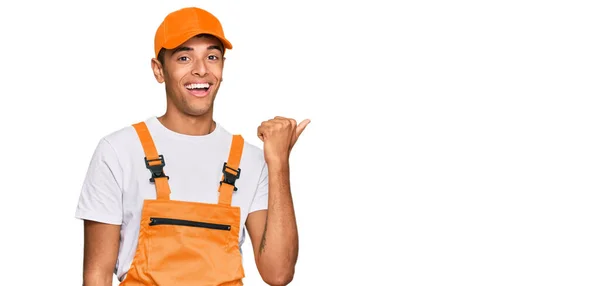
(201, 42)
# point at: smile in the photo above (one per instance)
(198, 89)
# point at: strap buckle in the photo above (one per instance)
(156, 170)
(229, 178)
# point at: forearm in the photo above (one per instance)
(278, 250)
(97, 278)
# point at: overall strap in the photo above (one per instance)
(231, 171)
(154, 162)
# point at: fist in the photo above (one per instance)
(279, 136)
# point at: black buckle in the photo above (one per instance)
(156, 170)
(230, 178)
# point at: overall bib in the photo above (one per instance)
(187, 243)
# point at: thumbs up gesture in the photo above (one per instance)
(279, 136)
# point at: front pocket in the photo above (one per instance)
(187, 249)
(187, 242)
(181, 222)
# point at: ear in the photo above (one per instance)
(158, 70)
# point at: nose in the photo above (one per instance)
(199, 69)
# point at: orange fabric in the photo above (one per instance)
(188, 243)
(233, 163)
(181, 25)
(162, 186)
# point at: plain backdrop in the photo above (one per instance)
(451, 143)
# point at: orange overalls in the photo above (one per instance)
(187, 243)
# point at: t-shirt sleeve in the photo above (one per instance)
(101, 194)
(261, 198)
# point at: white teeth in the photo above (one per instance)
(197, 85)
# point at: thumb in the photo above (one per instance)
(299, 130)
(301, 127)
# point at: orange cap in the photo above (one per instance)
(183, 24)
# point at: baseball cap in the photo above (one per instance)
(183, 24)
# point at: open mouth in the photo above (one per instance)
(198, 89)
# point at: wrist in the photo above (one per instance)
(280, 163)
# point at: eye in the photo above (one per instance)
(213, 57)
(183, 58)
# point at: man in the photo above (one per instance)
(165, 201)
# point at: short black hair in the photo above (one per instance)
(161, 56)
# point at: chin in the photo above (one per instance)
(197, 111)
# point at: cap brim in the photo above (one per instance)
(177, 41)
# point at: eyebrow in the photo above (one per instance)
(184, 48)
(180, 49)
(215, 47)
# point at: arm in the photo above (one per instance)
(273, 232)
(100, 208)
(101, 245)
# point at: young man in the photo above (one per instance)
(165, 201)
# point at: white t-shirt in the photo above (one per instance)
(117, 181)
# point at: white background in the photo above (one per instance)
(451, 143)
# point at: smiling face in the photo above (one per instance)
(192, 74)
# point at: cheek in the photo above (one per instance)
(217, 71)
(176, 76)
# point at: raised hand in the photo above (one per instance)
(279, 136)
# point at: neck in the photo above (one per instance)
(188, 125)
